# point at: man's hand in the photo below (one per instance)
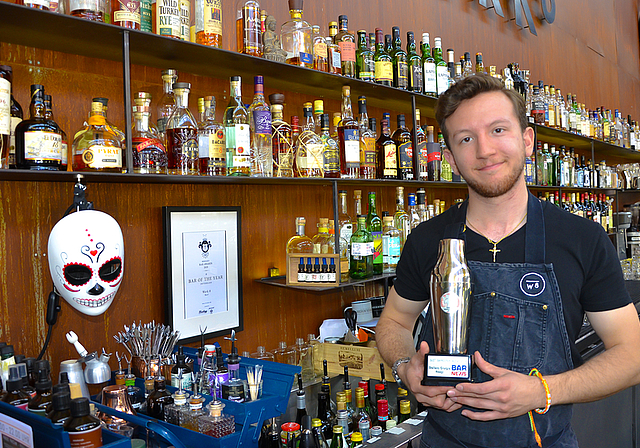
(412, 373)
(509, 394)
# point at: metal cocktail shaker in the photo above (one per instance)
(450, 287)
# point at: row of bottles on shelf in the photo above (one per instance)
(592, 206)
(370, 244)
(546, 106)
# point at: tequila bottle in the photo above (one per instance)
(97, 148)
(367, 143)
(361, 260)
(296, 36)
(309, 148)
(260, 119)
(167, 103)
(182, 134)
(215, 423)
(374, 225)
(212, 151)
(149, 153)
(330, 150)
(349, 135)
(281, 144)
(236, 123)
(300, 243)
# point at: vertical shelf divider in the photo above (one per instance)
(126, 85)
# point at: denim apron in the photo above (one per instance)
(516, 323)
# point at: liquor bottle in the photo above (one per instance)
(300, 243)
(211, 142)
(349, 138)
(181, 373)
(111, 126)
(167, 103)
(451, 66)
(149, 153)
(442, 72)
(446, 174)
(84, 429)
(97, 148)
(126, 14)
(391, 244)
(214, 423)
(337, 438)
(208, 22)
(38, 404)
(182, 134)
(190, 416)
(233, 389)
(383, 412)
(357, 204)
(374, 225)
(347, 43)
(330, 150)
(318, 435)
(325, 414)
(368, 160)
(238, 141)
(414, 63)
(356, 439)
(361, 418)
(373, 126)
(479, 64)
(158, 399)
(168, 21)
(386, 148)
(343, 418)
(309, 148)
(361, 261)
(318, 110)
(284, 354)
(64, 149)
(90, 10)
(260, 132)
(365, 64)
(301, 403)
(281, 143)
(248, 30)
(429, 68)
(175, 412)
(404, 411)
(334, 54)
(320, 54)
(412, 211)
(421, 207)
(404, 149)
(383, 63)
(38, 141)
(322, 241)
(296, 36)
(401, 219)
(346, 230)
(16, 118)
(421, 152)
(433, 156)
(400, 66)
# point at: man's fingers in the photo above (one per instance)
(487, 367)
(483, 416)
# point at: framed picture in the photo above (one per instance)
(203, 270)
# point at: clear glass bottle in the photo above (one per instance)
(208, 22)
(238, 134)
(182, 134)
(248, 29)
(368, 156)
(284, 354)
(404, 149)
(87, 9)
(349, 138)
(401, 219)
(320, 51)
(309, 148)
(347, 43)
(97, 148)
(300, 243)
(391, 244)
(322, 240)
(414, 218)
(149, 152)
(330, 150)
(167, 103)
(296, 36)
(260, 127)
(190, 417)
(281, 143)
(361, 260)
(334, 55)
(262, 353)
(215, 423)
(212, 150)
(175, 413)
(304, 356)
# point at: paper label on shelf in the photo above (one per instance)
(168, 18)
(15, 433)
(430, 83)
(384, 71)
(5, 106)
(213, 17)
(42, 145)
(99, 156)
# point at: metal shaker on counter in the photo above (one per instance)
(450, 287)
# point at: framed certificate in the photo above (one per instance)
(203, 270)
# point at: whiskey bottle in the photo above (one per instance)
(296, 36)
(334, 55)
(414, 63)
(16, 118)
(309, 148)
(349, 138)
(64, 148)
(300, 243)
(146, 16)
(361, 260)
(38, 141)
(442, 72)
(330, 150)
(260, 132)
(149, 153)
(236, 123)
(110, 125)
(167, 103)
(383, 63)
(208, 22)
(6, 78)
(347, 43)
(368, 154)
(365, 65)
(401, 219)
(320, 55)
(374, 225)
(428, 67)
(182, 134)
(248, 29)
(126, 14)
(402, 137)
(167, 22)
(400, 67)
(88, 9)
(212, 150)
(386, 148)
(281, 145)
(421, 151)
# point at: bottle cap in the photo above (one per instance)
(318, 106)
(79, 407)
(7, 351)
(170, 72)
(316, 423)
(19, 358)
(376, 431)
(182, 85)
(43, 365)
(276, 98)
(61, 401)
(342, 18)
(235, 79)
(337, 429)
(295, 5)
(259, 79)
(391, 423)
(380, 386)
(61, 387)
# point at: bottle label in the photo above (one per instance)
(442, 74)
(241, 157)
(390, 160)
(315, 158)
(377, 247)
(185, 20)
(415, 77)
(168, 21)
(128, 11)
(307, 58)
(361, 249)
(64, 155)
(5, 107)
(368, 69)
(320, 50)
(302, 276)
(336, 60)
(15, 121)
(213, 17)
(423, 158)
(433, 156)
(368, 153)
(42, 145)
(262, 122)
(187, 380)
(345, 232)
(331, 157)
(140, 144)
(406, 155)
(430, 83)
(145, 16)
(216, 146)
(402, 74)
(203, 145)
(99, 156)
(348, 50)
(47, 4)
(91, 438)
(384, 71)
(352, 147)
(393, 250)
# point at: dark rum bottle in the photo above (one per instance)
(386, 147)
(182, 134)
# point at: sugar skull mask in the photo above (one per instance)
(86, 260)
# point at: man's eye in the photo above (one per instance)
(499, 130)
(465, 140)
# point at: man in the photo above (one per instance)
(509, 235)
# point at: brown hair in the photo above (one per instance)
(470, 87)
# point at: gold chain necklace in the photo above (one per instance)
(495, 249)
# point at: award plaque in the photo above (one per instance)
(450, 286)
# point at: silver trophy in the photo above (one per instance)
(450, 285)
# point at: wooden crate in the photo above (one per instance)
(292, 269)
(362, 360)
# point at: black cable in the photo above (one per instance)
(46, 343)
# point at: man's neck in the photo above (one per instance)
(498, 217)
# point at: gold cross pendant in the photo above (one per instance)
(495, 250)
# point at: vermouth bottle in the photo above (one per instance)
(281, 144)
(212, 150)
(309, 148)
(97, 148)
(361, 260)
(182, 134)
(260, 127)
(236, 123)
(349, 138)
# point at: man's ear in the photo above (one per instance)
(452, 161)
(529, 137)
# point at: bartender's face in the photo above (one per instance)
(487, 146)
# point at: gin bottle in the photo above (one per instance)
(236, 123)
(182, 134)
(260, 119)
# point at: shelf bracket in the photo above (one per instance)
(126, 85)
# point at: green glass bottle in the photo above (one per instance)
(336, 441)
(428, 67)
(361, 262)
(374, 225)
(383, 64)
(365, 64)
(442, 71)
(400, 67)
(414, 64)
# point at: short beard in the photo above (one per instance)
(495, 190)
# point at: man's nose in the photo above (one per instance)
(485, 146)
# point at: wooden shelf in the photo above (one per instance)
(281, 282)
